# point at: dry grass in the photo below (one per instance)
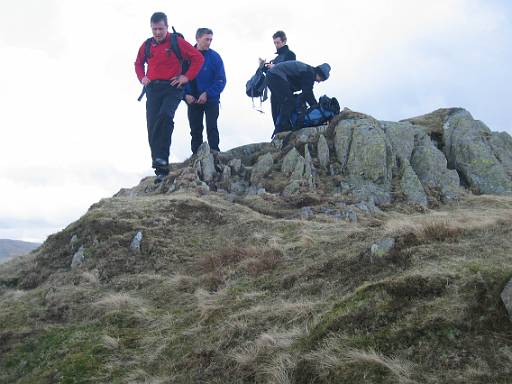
(440, 226)
(120, 302)
(335, 353)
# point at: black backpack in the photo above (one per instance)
(256, 86)
(174, 47)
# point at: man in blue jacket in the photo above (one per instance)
(203, 93)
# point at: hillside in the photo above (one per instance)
(10, 248)
(359, 252)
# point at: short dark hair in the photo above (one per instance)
(158, 17)
(279, 34)
(203, 31)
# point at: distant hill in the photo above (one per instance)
(10, 248)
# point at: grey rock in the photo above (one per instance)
(402, 137)
(430, 166)
(207, 162)
(501, 144)
(73, 242)
(350, 215)
(262, 168)
(246, 151)
(306, 213)
(238, 187)
(309, 168)
(236, 166)
(292, 188)
(382, 247)
(298, 172)
(135, 244)
(226, 176)
(362, 190)
(363, 150)
(411, 186)
(78, 258)
(468, 148)
(506, 297)
(323, 152)
(290, 161)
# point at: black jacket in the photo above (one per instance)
(283, 54)
(300, 76)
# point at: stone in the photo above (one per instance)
(506, 297)
(135, 244)
(468, 148)
(262, 168)
(292, 188)
(382, 247)
(236, 166)
(411, 185)
(309, 168)
(401, 137)
(73, 241)
(207, 162)
(323, 152)
(363, 150)
(226, 176)
(306, 213)
(78, 258)
(430, 166)
(298, 172)
(290, 161)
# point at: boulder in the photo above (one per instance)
(262, 168)
(468, 148)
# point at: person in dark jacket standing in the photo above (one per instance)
(283, 54)
(203, 93)
(292, 76)
(163, 81)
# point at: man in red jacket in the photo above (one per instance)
(164, 81)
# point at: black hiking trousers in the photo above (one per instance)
(161, 104)
(282, 102)
(196, 113)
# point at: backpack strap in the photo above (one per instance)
(176, 48)
(147, 49)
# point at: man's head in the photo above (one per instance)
(322, 72)
(279, 39)
(204, 37)
(159, 26)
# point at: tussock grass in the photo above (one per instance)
(120, 302)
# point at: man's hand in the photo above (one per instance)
(202, 98)
(145, 81)
(179, 81)
(269, 65)
(190, 99)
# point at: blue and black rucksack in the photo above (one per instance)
(319, 114)
(256, 86)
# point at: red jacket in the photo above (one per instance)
(164, 66)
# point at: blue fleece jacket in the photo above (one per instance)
(211, 78)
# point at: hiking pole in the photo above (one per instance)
(142, 93)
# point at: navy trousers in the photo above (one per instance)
(162, 102)
(196, 113)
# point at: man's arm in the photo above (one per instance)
(219, 81)
(139, 64)
(307, 80)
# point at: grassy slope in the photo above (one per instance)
(220, 293)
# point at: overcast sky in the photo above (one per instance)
(73, 131)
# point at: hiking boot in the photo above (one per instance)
(159, 178)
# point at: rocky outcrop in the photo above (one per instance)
(482, 158)
(423, 160)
